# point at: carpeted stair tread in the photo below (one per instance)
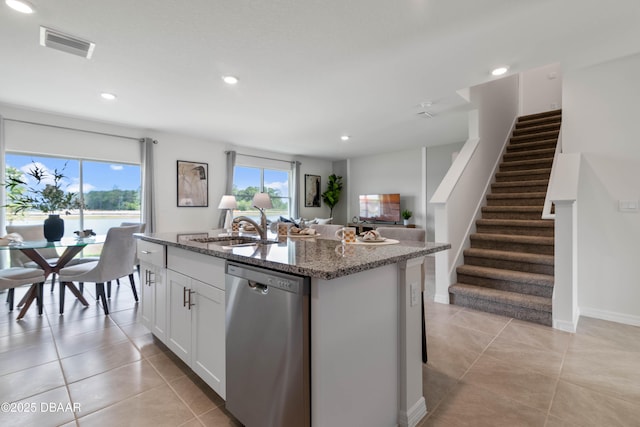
(533, 145)
(510, 256)
(543, 127)
(533, 195)
(510, 275)
(505, 297)
(534, 185)
(544, 114)
(539, 223)
(537, 122)
(508, 238)
(534, 137)
(534, 153)
(520, 175)
(526, 164)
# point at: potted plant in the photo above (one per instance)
(45, 193)
(331, 197)
(406, 214)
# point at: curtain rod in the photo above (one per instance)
(78, 130)
(265, 158)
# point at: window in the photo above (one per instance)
(110, 192)
(247, 181)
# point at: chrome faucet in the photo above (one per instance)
(262, 229)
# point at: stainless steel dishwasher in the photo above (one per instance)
(267, 347)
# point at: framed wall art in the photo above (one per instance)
(193, 184)
(312, 191)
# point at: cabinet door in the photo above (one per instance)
(208, 335)
(146, 296)
(179, 321)
(159, 279)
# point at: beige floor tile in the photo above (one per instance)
(535, 335)
(99, 360)
(134, 329)
(14, 327)
(510, 381)
(623, 337)
(198, 396)
(468, 405)
(459, 337)
(479, 321)
(557, 422)
(447, 359)
(22, 384)
(27, 357)
(76, 344)
(585, 407)
(126, 317)
(525, 356)
(194, 422)
(51, 408)
(68, 327)
(436, 311)
(219, 417)
(435, 385)
(27, 339)
(156, 407)
(592, 363)
(169, 366)
(102, 390)
(149, 345)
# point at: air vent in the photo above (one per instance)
(66, 43)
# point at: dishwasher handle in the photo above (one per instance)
(258, 287)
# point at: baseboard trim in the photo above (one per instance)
(568, 326)
(442, 299)
(414, 415)
(612, 316)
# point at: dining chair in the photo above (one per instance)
(136, 261)
(115, 261)
(11, 278)
(415, 235)
(32, 232)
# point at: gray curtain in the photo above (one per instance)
(228, 189)
(295, 171)
(148, 192)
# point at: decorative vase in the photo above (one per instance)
(53, 228)
(406, 222)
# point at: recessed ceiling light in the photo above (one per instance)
(230, 80)
(345, 137)
(108, 96)
(20, 5)
(499, 71)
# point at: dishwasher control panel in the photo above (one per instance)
(269, 278)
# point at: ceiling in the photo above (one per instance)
(310, 70)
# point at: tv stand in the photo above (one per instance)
(361, 227)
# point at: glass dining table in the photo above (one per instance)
(72, 247)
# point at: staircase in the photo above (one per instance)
(509, 268)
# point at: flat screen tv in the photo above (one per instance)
(380, 207)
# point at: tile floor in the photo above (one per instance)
(483, 370)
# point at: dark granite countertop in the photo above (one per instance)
(317, 257)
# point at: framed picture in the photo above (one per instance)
(193, 184)
(312, 191)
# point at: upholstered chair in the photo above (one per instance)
(116, 260)
(32, 232)
(11, 278)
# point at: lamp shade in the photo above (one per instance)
(262, 201)
(228, 202)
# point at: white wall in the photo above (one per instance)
(312, 166)
(541, 89)
(600, 120)
(439, 159)
(461, 193)
(170, 149)
(395, 172)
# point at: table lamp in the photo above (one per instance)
(262, 201)
(229, 203)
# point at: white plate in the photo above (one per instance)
(304, 235)
(381, 239)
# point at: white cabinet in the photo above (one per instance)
(153, 292)
(196, 309)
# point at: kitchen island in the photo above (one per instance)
(365, 316)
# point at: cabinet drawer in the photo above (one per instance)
(152, 253)
(202, 267)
